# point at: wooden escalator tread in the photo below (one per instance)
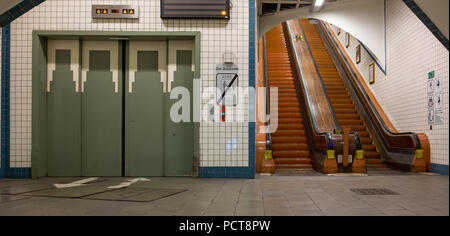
(340, 100)
(289, 143)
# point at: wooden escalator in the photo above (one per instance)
(342, 104)
(289, 143)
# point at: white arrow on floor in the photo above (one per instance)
(130, 182)
(76, 183)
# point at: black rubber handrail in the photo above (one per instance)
(366, 96)
(327, 135)
(358, 140)
(267, 91)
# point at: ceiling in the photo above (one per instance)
(8, 4)
(268, 7)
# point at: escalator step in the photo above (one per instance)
(289, 146)
(289, 133)
(295, 160)
(288, 139)
(300, 154)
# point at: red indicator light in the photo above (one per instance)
(115, 11)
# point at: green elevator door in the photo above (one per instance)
(179, 137)
(144, 155)
(64, 108)
(102, 124)
(102, 109)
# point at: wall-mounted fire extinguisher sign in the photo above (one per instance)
(227, 82)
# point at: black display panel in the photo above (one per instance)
(195, 9)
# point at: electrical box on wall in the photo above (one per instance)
(115, 12)
(195, 9)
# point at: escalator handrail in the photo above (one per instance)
(267, 91)
(366, 96)
(358, 140)
(320, 77)
(327, 135)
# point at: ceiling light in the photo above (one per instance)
(319, 3)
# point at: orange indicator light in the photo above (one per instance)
(224, 13)
(105, 11)
(125, 11)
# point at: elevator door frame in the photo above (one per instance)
(39, 152)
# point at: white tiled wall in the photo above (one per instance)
(412, 51)
(217, 37)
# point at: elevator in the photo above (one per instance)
(108, 107)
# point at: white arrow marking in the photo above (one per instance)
(130, 182)
(76, 183)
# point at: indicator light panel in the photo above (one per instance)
(115, 12)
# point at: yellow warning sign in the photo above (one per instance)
(359, 154)
(268, 154)
(330, 154)
(419, 153)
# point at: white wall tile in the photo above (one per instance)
(75, 15)
(412, 52)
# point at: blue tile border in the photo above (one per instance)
(427, 22)
(17, 11)
(251, 85)
(5, 109)
(243, 172)
(6, 171)
(226, 172)
(440, 169)
(18, 173)
(5, 19)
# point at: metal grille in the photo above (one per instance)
(373, 191)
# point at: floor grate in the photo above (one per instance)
(373, 191)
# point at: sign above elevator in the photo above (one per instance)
(195, 9)
(115, 12)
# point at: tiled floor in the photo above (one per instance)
(301, 195)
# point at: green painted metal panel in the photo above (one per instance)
(39, 109)
(102, 118)
(180, 136)
(40, 104)
(144, 154)
(64, 120)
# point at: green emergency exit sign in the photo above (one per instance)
(431, 75)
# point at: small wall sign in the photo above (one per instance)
(372, 73)
(347, 40)
(358, 54)
(435, 109)
(227, 82)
